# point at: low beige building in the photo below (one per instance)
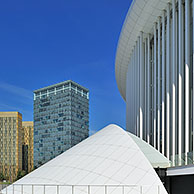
(10, 144)
(28, 143)
(16, 145)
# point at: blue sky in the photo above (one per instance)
(43, 42)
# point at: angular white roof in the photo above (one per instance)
(156, 159)
(108, 158)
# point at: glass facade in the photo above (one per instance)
(61, 119)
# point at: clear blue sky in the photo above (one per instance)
(43, 42)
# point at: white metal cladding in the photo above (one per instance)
(163, 100)
(141, 16)
(109, 157)
(156, 159)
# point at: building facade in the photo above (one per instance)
(10, 144)
(61, 119)
(154, 72)
(28, 146)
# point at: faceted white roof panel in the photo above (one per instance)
(141, 17)
(156, 159)
(109, 157)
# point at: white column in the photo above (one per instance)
(138, 87)
(142, 93)
(146, 92)
(135, 95)
(163, 82)
(130, 79)
(148, 89)
(159, 80)
(129, 97)
(173, 81)
(180, 80)
(187, 67)
(168, 83)
(193, 82)
(155, 88)
(153, 114)
(134, 88)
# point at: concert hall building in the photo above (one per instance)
(154, 73)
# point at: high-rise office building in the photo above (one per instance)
(27, 146)
(61, 119)
(10, 144)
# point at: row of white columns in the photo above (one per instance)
(162, 83)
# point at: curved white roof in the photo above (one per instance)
(156, 159)
(141, 17)
(109, 157)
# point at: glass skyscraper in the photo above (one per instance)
(61, 119)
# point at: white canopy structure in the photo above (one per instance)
(108, 162)
(156, 159)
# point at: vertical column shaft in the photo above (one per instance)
(187, 69)
(163, 82)
(138, 87)
(155, 91)
(180, 80)
(173, 81)
(130, 80)
(146, 92)
(168, 83)
(148, 89)
(193, 82)
(159, 90)
(135, 94)
(136, 109)
(134, 87)
(142, 93)
(153, 115)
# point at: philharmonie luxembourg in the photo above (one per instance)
(154, 74)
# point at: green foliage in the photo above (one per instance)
(6, 178)
(20, 174)
(2, 177)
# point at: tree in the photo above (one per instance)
(2, 177)
(20, 174)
